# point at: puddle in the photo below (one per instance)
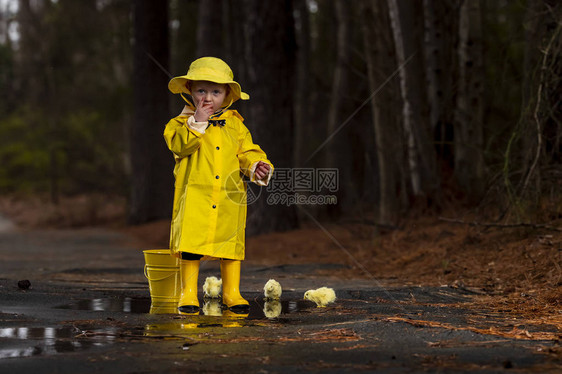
(37, 341)
(126, 304)
(20, 342)
(259, 309)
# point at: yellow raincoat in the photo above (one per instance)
(209, 214)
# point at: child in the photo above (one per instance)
(212, 149)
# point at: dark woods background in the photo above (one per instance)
(432, 104)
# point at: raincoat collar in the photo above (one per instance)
(187, 111)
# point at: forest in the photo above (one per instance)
(419, 106)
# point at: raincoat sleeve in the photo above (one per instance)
(181, 139)
(249, 154)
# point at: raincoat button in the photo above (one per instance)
(217, 177)
(214, 206)
(218, 147)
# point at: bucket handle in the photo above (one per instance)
(154, 279)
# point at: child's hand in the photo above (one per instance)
(203, 111)
(262, 170)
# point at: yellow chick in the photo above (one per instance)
(272, 290)
(321, 296)
(212, 287)
(272, 309)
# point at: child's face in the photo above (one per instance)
(208, 93)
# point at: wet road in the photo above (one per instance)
(5, 224)
(88, 310)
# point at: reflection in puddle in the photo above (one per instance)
(212, 308)
(126, 304)
(259, 309)
(212, 315)
(18, 342)
(196, 327)
(50, 340)
(272, 309)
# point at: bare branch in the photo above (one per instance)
(536, 111)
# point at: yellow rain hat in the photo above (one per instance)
(210, 69)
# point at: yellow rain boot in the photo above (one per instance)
(189, 272)
(231, 298)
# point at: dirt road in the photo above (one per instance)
(88, 310)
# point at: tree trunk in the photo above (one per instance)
(270, 63)
(407, 31)
(151, 162)
(378, 50)
(338, 96)
(407, 115)
(339, 79)
(32, 53)
(38, 70)
(184, 42)
(469, 157)
(210, 29)
(302, 100)
(303, 83)
(440, 38)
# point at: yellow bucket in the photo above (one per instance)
(163, 273)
